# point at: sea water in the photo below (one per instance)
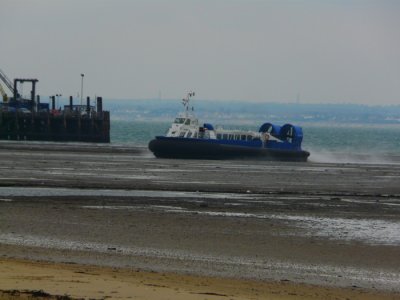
(326, 142)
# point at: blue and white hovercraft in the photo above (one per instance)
(187, 139)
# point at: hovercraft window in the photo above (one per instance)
(179, 120)
(187, 122)
(189, 134)
(243, 137)
(219, 136)
(225, 136)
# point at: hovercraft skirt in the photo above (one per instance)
(203, 149)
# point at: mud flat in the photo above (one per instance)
(332, 225)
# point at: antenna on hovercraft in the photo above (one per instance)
(186, 100)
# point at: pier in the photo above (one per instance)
(32, 120)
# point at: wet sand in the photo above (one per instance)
(334, 225)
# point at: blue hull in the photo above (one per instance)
(164, 147)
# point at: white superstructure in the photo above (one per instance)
(186, 125)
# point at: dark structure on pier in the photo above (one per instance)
(29, 119)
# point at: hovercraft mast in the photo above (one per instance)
(186, 101)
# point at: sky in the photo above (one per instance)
(265, 51)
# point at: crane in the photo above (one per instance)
(6, 81)
(3, 93)
(13, 87)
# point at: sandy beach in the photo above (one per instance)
(23, 279)
(187, 229)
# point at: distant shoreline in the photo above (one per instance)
(245, 111)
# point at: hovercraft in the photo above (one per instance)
(186, 138)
